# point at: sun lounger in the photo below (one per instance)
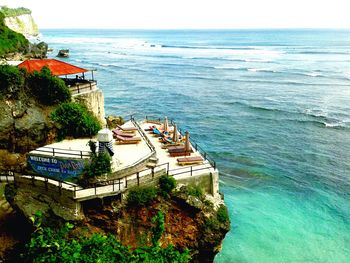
(117, 132)
(126, 140)
(169, 145)
(178, 148)
(180, 153)
(127, 129)
(190, 160)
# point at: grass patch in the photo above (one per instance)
(195, 191)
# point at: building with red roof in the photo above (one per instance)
(57, 67)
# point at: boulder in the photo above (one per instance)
(113, 121)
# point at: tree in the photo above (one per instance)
(47, 88)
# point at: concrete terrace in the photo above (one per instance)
(126, 157)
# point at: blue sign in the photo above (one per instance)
(56, 167)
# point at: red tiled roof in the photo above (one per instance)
(57, 67)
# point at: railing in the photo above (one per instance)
(115, 186)
(189, 170)
(158, 120)
(65, 152)
(143, 135)
(82, 87)
(8, 177)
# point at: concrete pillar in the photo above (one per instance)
(215, 183)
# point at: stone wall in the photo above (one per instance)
(94, 101)
(47, 198)
(206, 182)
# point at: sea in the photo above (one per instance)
(272, 107)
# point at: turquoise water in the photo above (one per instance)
(271, 106)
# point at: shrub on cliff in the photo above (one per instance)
(11, 41)
(222, 214)
(11, 79)
(100, 164)
(141, 196)
(166, 184)
(50, 245)
(47, 88)
(75, 120)
(158, 228)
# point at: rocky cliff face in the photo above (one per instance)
(190, 222)
(23, 24)
(24, 124)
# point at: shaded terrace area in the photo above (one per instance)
(73, 76)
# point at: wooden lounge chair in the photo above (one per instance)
(190, 160)
(126, 140)
(127, 129)
(180, 153)
(174, 148)
(169, 145)
(117, 132)
(181, 148)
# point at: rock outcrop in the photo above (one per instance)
(24, 124)
(94, 101)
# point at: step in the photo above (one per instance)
(151, 165)
(153, 160)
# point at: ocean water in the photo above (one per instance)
(271, 106)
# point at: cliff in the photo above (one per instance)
(192, 218)
(15, 26)
(23, 24)
(190, 222)
(21, 21)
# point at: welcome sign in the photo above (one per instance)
(59, 168)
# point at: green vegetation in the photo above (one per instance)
(166, 185)
(195, 191)
(15, 11)
(47, 88)
(214, 222)
(158, 228)
(10, 41)
(141, 196)
(75, 120)
(11, 79)
(99, 164)
(47, 245)
(222, 214)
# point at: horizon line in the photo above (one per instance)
(199, 29)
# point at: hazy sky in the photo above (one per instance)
(188, 13)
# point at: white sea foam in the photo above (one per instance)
(261, 70)
(228, 67)
(258, 60)
(313, 74)
(341, 124)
